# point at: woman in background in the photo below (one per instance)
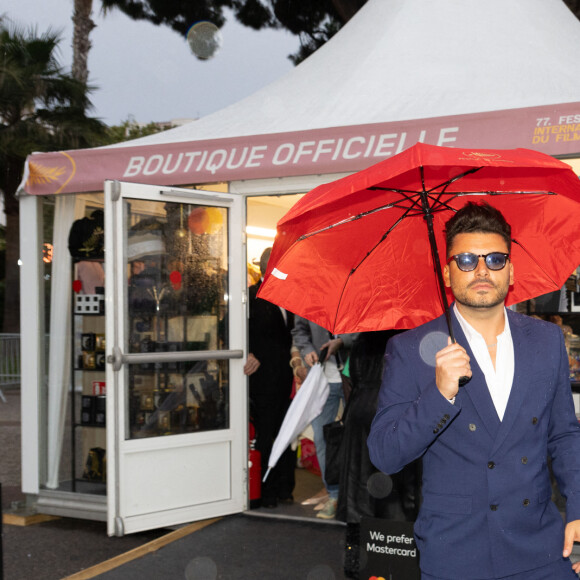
(364, 490)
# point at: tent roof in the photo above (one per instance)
(494, 74)
(414, 59)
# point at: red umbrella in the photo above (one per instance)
(361, 253)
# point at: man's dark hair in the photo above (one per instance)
(480, 218)
(264, 258)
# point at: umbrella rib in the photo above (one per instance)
(359, 216)
(447, 183)
(440, 205)
(536, 262)
(353, 270)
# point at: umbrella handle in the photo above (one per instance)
(462, 380)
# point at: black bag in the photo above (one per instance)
(333, 436)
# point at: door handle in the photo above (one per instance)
(116, 358)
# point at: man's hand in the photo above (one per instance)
(252, 365)
(311, 358)
(300, 374)
(333, 346)
(571, 535)
(451, 363)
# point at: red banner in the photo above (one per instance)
(553, 129)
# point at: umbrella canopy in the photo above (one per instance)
(305, 406)
(357, 254)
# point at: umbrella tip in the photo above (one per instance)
(265, 476)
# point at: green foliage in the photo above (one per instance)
(314, 21)
(42, 108)
(129, 130)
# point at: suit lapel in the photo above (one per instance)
(476, 389)
(523, 351)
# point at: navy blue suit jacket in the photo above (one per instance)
(486, 507)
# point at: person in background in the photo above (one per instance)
(270, 377)
(486, 510)
(363, 490)
(311, 339)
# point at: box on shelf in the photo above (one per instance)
(89, 304)
(87, 410)
(99, 388)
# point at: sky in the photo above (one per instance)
(149, 73)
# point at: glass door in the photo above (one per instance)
(175, 334)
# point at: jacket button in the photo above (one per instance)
(446, 417)
(526, 502)
(491, 465)
(534, 421)
(493, 507)
(435, 430)
(472, 427)
(524, 460)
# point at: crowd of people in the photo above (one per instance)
(282, 350)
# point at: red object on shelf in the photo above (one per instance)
(175, 279)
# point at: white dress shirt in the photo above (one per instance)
(499, 379)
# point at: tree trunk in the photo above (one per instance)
(83, 25)
(12, 269)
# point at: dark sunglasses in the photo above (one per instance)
(467, 262)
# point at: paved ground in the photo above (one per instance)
(10, 447)
(51, 550)
(245, 548)
(56, 549)
(258, 545)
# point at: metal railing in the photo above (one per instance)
(9, 361)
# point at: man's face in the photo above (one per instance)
(482, 287)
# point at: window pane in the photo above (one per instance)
(177, 276)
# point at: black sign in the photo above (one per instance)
(388, 550)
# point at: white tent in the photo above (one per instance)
(494, 74)
(398, 60)
(501, 73)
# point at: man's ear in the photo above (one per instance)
(446, 276)
(511, 265)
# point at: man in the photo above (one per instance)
(486, 511)
(310, 339)
(271, 378)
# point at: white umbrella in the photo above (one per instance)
(306, 406)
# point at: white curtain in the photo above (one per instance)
(59, 359)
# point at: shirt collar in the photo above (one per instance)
(472, 334)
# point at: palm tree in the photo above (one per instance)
(42, 108)
(83, 24)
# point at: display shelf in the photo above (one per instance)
(88, 402)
